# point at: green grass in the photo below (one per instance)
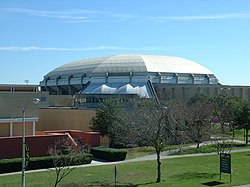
(188, 172)
(139, 152)
(147, 150)
(239, 134)
(212, 148)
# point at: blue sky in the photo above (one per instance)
(37, 36)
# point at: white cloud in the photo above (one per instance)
(36, 48)
(201, 17)
(95, 48)
(73, 15)
(83, 15)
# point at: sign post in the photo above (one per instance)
(225, 164)
(115, 172)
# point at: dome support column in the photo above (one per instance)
(69, 86)
(177, 78)
(130, 76)
(192, 77)
(159, 75)
(208, 79)
(107, 77)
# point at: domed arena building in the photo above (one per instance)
(125, 75)
(71, 93)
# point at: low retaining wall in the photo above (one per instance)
(11, 147)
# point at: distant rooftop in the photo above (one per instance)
(18, 88)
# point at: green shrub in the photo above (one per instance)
(15, 165)
(109, 154)
(10, 165)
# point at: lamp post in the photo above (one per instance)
(35, 101)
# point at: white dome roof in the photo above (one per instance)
(131, 63)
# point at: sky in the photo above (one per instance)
(37, 36)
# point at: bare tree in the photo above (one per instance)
(221, 139)
(224, 146)
(224, 111)
(153, 124)
(198, 116)
(65, 159)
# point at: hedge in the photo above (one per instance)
(109, 154)
(15, 165)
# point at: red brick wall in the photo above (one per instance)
(90, 138)
(12, 147)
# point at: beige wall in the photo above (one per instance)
(64, 119)
(16, 129)
(4, 130)
(12, 103)
(67, 119)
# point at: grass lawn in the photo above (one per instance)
(139, 152)
(177, 172)
(239, 134)
(148, 150)
(212, 148)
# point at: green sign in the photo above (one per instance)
(225, 163)
(27, 155)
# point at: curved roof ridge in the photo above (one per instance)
(122, 63)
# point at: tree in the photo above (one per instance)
(224, 111)
(198, 117)
(152, 124)
(65, 159)
(105, 120)
(242, 118)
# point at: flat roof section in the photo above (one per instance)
(18, 88)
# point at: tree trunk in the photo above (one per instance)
(158, 167)
(222, 126)
(198, 144)
(246, 136)
(57, 177)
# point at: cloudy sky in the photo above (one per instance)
(37, 36)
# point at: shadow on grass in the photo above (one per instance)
(194, 175)
(145, 184)
(241, 145)
(120, 185)
(212, 183)
(247, 154)
(104, 184)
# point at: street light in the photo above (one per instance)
(35, 101)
